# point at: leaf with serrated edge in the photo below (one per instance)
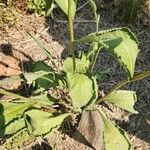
(32, 76)
(47, 80)
(10, 111)
(45, 99)
(81, 89)
(40, 65)
(13, 127)
(114, 138)
(123, 99)
(81, 65)
(125, 51)
(40, 123)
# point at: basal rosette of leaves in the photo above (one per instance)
(37, 117)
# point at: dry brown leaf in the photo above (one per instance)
(90, 130)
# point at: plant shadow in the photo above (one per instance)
(9, 50)
(14, 62)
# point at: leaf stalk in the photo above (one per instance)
(72, 48)
(122, 83)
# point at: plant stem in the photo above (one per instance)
(95, 58)
(16, 96)
(72, 48)
(122, 83)
(2, 91)
(96, 55)
(97, 23)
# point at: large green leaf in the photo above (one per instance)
(41, 123)
(124, 99)
(63, 4)
(115, 138)
(95, 37)
(47, 80)
(42, 77)
(81, 89)
(45, 99)
(32, 76)
(81, 65)
(40, 65)
(10, 111)
(120, 42)
(13, 127)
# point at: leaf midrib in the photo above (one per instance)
(8, 113)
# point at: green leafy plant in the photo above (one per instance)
(30, 118)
